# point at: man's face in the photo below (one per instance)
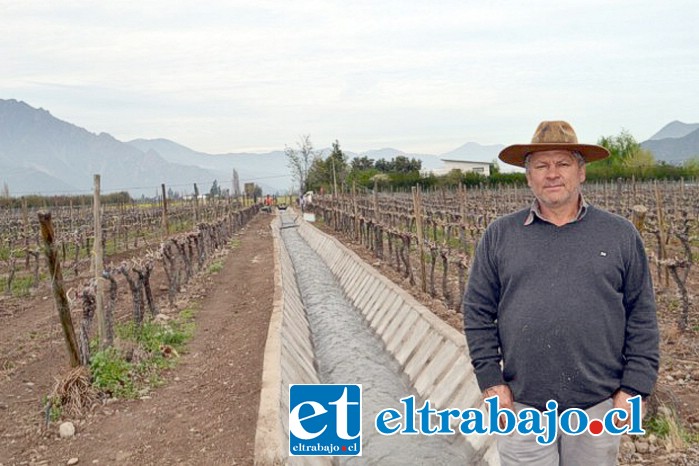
(555, 177)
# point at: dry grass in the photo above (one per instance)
(74, 392)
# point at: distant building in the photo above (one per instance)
(464, 165)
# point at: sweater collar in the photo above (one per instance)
(535, 211)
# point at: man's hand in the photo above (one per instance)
(621, 401)
(505, 399)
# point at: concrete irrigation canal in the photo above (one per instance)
(338, 321)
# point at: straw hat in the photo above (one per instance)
(552, 135)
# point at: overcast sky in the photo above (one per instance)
(232, 76)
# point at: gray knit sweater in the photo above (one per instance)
(569, 310)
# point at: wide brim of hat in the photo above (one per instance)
(516, 153)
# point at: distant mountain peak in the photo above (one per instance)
(386, 152)
(43, 154)
(474, 152)
(675, 129)
(675, 143)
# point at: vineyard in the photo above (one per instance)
(204, 266)
(425, 241)
(126, 228)
(182, 238)
(429, 237)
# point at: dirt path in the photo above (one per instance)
(207, 409)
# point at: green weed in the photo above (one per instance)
(670, 430)
(186, 315)
(53, 404)
(4, 253)
(155, 343)
(21, 286)
(152, 335)
(111, 373)
(216, 267)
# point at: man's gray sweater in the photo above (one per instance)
(569, 310)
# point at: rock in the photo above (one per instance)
(72, 461)
(642, 447)
(122, 456)
(652, 439)
(66, 430)
(627, 448)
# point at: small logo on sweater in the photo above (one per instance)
(603, 254)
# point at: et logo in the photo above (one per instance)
(325, 420)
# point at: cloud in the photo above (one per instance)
(227, 74)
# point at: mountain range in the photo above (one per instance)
(41, 154)
(674, 143)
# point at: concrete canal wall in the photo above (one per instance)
(432, 354)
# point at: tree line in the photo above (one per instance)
(39, 201)
(335, 172)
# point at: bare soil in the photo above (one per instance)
(678, 380)
(205, 413)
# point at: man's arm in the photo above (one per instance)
(480, 309)
(641, 339)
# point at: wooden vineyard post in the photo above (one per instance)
(196, 204)
(639, 217)
(25, 223)
(661, 229)
(72, 219)
(417, 207)
(166, 227)
(98, 265)
(356, 210)
(59, 293)
(376, 201)
(462, 214)
(619, 196)
(375, 230)
(606, 202)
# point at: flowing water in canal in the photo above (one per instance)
(347, 352)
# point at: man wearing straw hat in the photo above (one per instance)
(560, 304)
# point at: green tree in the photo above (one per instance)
(624, 151)
(494, 167)
(329, 172)
(362, 163)
(402, 164)
(336, 165)
(385, 166)
(627, 158)
(215, 190)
